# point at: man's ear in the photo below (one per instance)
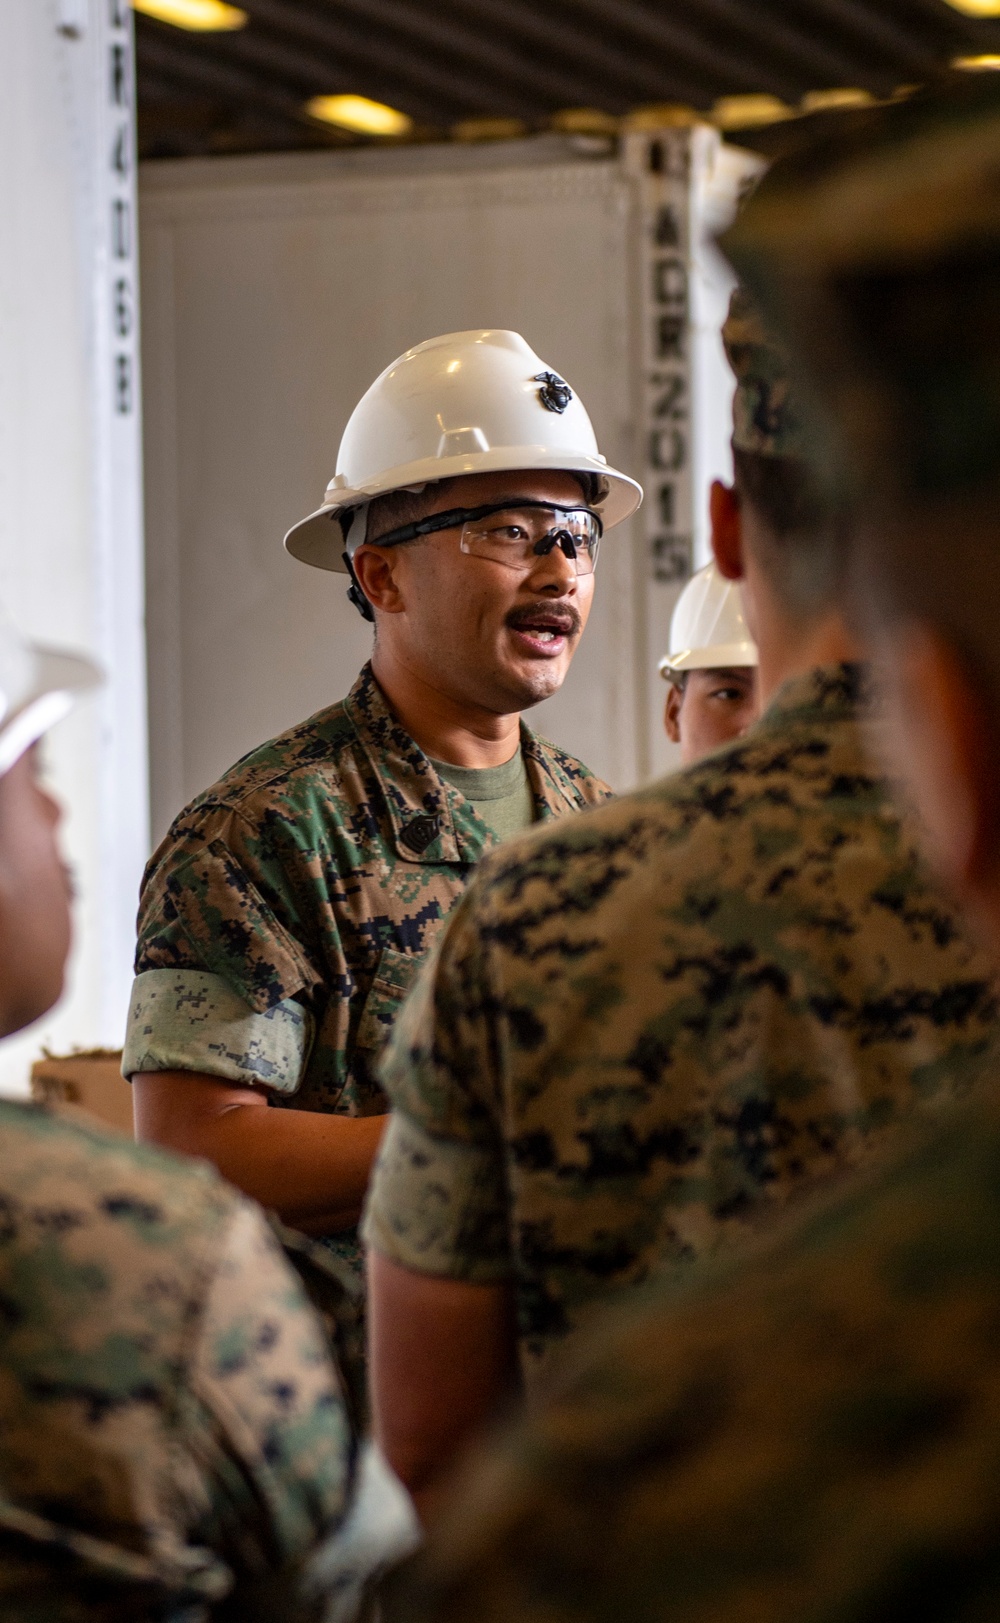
(726, 527)
(672, 712)
(376, 569)
(945, 740)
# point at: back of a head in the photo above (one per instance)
(797, 533)
(877, 256)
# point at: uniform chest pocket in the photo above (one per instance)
(394, 976)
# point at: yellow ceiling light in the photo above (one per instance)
(662, 115)
(825, 101)
(360, 115)
(976, 8)
(584, 121)
(744, 112)
(200, 16)
(977, 64)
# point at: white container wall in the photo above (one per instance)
(70, 491)
(274, 291)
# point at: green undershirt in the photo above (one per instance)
(501, 795)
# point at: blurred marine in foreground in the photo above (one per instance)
(819, 1437)
(173, 1437)
(648, 1026)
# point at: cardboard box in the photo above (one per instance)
(92, 1081)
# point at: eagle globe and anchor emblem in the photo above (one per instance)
(555, 393)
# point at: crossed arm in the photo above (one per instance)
(309, 1167)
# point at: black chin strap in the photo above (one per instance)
(355, 595)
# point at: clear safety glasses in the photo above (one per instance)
(514, 534)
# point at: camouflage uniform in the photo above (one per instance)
(173, 1440)
(647, 1025)
(809, 1438)
(813, 1437)
(283, 917)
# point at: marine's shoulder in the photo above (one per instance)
(716, 784)
(571, 774)
(289, 762)
(49, 1153)
(789, 768)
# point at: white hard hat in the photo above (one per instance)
(468, 402)
(38, 686)
(708, 629)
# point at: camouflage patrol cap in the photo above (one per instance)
(876, 255)
(766, 419)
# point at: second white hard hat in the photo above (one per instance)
(708, 629)
(465, 403)
(38, 685)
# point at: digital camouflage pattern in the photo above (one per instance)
(173, 1437)
(651, 1024)
(811, 1436)
(766, 418)
(291, 903)
(336, 1292)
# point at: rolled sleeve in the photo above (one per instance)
(438, 1206)
(191, 1020)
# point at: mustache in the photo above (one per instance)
(561, 617)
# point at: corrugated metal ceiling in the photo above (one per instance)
(445, 61)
